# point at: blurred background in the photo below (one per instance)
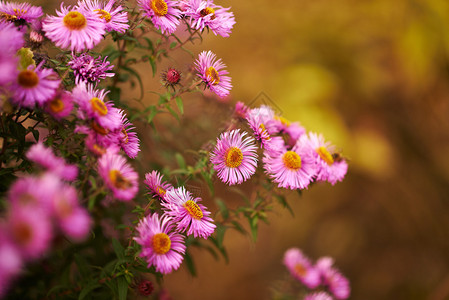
(373, 77)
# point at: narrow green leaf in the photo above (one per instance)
(87, 289)
(219, 234)
(173, 45)
(122, 285)
(152, 114)
(190, 264)
(82, 265)
(180, 105)
(135, 74)
(180, 160)
(172, 112)
(153, 65)
(118, 249)
(253, 224)
(223, 208)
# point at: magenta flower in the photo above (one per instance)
(331, 167)
(234, 157)
(119, 176)
(258, 118)
(127, 139)
(20, 13)
(190, 215)
(45, 157)
(60, 106)
(293, 169)
(241, 110)
(332, 278)
(115, 17)
(77, 28)
(92, 107)
(10, 262)
(156, 186)
(89, 69)
(301, 268)
(212, 73)
(35, 86)
(206, 14)
(161, 246)
(12, 40)
(318, 296)
(163, 14)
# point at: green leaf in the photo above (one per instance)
(122, 285)
(190, 264)
(135, 74)
(180, 160)
(118, 249)
(219, 234)
(180, 105)
(223, 208)
(152, 114)
(25, 58)
(87, 289)
(173, 45)
(153, 65)
(172, 112)
(82, 265)
(281, 199)
(253, 224)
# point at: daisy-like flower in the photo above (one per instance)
(116, 18)
(60, 106)
(19, 13)
(156, 186)
(171, 77)
(119, 176)
(332, 278)
(190, 215)
(293, 169)
(212, 73)
(30, 232)
(318, 296)
(258, 118)
(127, 139)
(206, 14)
(89, 69)
(280, 125)
(35, 86)
(331, 167)
(12, 40)
(45, 157)
(234, 157)
(301, 268)
(241, 110)
(162, 247)
(92, 107)
(75, 28)
(163, 14)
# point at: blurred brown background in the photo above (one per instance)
(373, 77)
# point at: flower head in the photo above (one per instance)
(161, 246)
(60, 106)
(190, 215)
(34, 86)
(212, 72)
(258, 118)
(318, 296)
(19, 13)
(77, 28)
(163, 14)
(156, 186)
(127, 139)
(119, 176)
(301, 268)
(115, 17)
(331, 167)
(171, 77)
(234, 157)
(89, 69)
(332, 278)
(11, 40)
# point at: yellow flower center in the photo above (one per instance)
(161, 191)
(74, 20)
(19, 12)
(118, 180)
(213, 74)
(7, 17)
(161, 243)
(325, 155)
(126, 135)
(64, 208)
(283, 120)
(98, 129)
(234, 157)
(99, 106)
(104, 15)
(300, 270)
(99, 150)
(26, 199)
(28, 79)
(292, 160)
(207, 11)
(159, 7)
(23, 233)
(56, 105)
(193, 209)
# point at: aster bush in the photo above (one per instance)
(84, 212)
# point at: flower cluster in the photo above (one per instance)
(322, 273)
(292, 158)
(162, 238)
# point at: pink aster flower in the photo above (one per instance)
(10, 262)
(19, 13)
(241, 110)
(60, 106)
(206, 14)
(301, 268)
(92, 106)
(116, 17)
(77, 28)
(163, 14)
(35, 86)
(318, 296)
(127, 139)
(293, 169)
(45, 157)
(332, 278)
(89, 69)
(331, 167)
(258, 118)
(162, 247)
(190, 215)
(98, 140)
(119, 176)
(234, 157)
(156, 186)
(29, 231)
(212, 72)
